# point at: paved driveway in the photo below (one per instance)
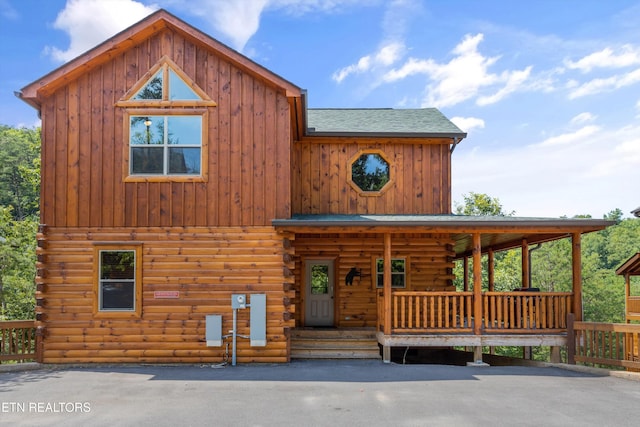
(316, 393)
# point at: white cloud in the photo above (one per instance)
(7, 11)
(577, 137)
(385, 56)
(394, 26)
(601, 85)
(627, 55)
(583, 118)
(90, 22)
(239, 20)
(514, 81)
(468, 124)
(463, 77)
(555, 179)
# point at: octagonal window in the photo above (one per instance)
(370, 172)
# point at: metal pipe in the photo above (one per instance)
(233, 337)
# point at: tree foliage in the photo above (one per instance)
(19, 206)
(551, 267)
(17, 261)
(20, 170)
(481, 204)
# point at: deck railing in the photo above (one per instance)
(609, 344)
(633, 307)
(452, 312)
(431, 311)
(18, 340)
(526, 312)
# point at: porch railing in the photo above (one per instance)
(452, 312)
(633, 307)
(609, 344)
(522, 312)
(18, 340)
(431, 311)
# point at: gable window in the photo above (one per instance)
(398, 272)
(166, 126)
(118, 277)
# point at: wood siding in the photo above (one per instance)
(204, 265)
(429, 268)
(420, 171)
(248, 180)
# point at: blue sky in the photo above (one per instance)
(548, 90)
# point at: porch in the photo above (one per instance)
(448, 319)
(424, 311)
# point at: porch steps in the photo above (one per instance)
(315, 343)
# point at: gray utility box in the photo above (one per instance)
(258, 320)
(214, 330)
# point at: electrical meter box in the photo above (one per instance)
(238, 301)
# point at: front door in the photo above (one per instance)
(319, 293)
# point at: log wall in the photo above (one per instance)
(429, 268)
(420, 171)
(248, 181)
(203, 265)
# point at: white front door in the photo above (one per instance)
(319, 293)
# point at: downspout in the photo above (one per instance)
(456, 141)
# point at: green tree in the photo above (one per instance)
(17, 266)
(19, 206)
(481, 204)
(20, 170)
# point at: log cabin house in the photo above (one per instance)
(178, 174)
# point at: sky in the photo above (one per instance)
(548, 91)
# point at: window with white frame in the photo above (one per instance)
(398, 272)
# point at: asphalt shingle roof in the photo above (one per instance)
(425, 122)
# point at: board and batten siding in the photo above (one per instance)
(249, 131)
(420, 171)
(429, 268)
(202, 266)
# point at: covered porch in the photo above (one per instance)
(428, 311)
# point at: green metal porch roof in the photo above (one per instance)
(497, 232)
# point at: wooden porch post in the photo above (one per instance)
(627, 294)
(386, 286)
(465, 268)
(577, 276)
(477, 294)
(491, 270)
(477, 283)
(525, 264)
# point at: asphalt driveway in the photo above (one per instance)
(316, 393)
